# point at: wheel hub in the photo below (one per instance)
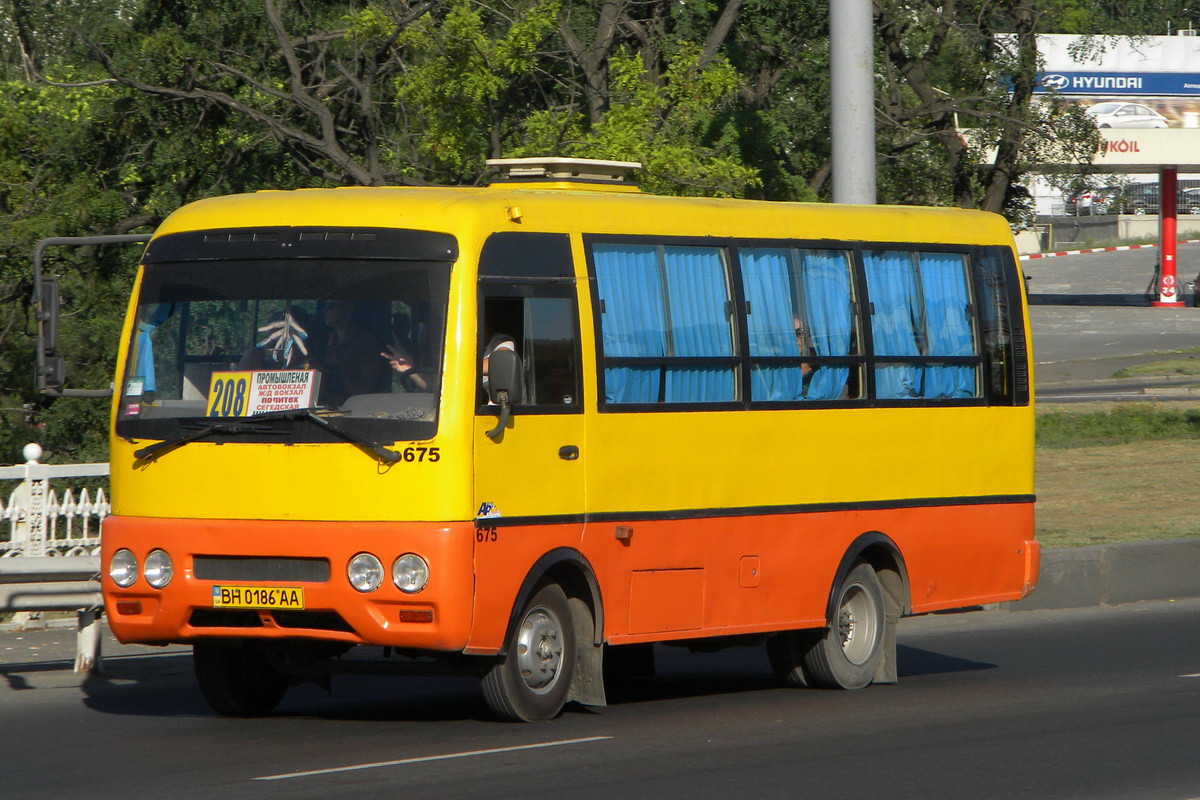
(540, 649)
(856, 625)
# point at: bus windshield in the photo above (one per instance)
(360, 340)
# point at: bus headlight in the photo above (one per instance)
(410, 573)
(159, 569)
(123, 568)
(365, 572)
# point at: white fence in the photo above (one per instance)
(48, 547)
(39, 520)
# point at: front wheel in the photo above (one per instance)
(532, 681)
(849, 653)
(237, 681)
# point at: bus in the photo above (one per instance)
(509, 430)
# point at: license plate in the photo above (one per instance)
(281, 597)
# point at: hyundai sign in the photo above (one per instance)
(1144, 84)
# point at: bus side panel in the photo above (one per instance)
(504, 555)
(775, 572)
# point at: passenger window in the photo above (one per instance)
(666, 324)
(801, 324)
(921, 325)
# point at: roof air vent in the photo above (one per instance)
(564, 170)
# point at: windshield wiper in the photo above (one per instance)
(191, 433)
(248, 425)
(383, 454)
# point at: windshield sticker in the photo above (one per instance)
(134, 388)
(133, 409)
(242, 394)
(487, 511)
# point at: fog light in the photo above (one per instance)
(365, 572)
(410, 573)
(123, 568)
(129, 608)
(159, 569)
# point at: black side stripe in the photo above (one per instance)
(751, 511)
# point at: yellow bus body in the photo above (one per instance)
(689, 485)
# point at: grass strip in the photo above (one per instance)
(1171, 366)
(1122, 424)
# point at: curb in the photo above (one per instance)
(1111, 574)
(1118, 248)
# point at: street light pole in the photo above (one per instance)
(852, 96)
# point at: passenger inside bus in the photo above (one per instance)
(398, 352)
(350, 363)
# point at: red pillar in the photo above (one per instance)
(1168, 282)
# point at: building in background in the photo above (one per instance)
(1124, 83)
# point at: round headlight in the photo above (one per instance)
(158, 569)
(410, 573)
(123, 568)
(365, 572)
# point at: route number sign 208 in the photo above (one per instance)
(228, 396)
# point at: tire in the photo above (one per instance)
(238, 681)
(848, 654)
(531, 683)
(786, 653)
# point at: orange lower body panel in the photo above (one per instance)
(333, 609)
(680, 579)
(668, 579)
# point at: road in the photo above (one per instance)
(1089, 319)
(1093, 703)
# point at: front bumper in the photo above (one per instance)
(334, 610)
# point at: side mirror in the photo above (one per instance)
(505, 375)
(47, 314)
(51, 369)
(505, 387)
(52, 373)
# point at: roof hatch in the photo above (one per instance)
(567, 173)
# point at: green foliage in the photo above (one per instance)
(1127, 423)
(162, 103)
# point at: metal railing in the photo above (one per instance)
(49, 546)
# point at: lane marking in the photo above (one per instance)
(1193, 675)
(445, 757)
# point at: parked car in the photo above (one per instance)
(1132, 198)
(1125, 115)
(1189, 202)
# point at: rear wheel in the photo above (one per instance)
(532, 681)
(237, 681)
(848, 655)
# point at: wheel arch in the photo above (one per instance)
(571, 570)
(878, 550)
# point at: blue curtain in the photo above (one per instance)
(696, 296)
(144, 365)
(825, 276)
(948, 325)
(771, 323)
(633, 323)
(892, 284)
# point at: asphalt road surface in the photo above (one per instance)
(1094, 703)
